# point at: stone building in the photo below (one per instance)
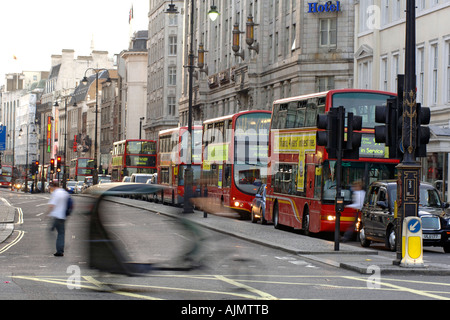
(298, 48)
(380, 57)
(165, 67)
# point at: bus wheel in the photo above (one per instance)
(276, 222)
(305, 223)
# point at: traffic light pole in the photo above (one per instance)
(339, 203)
(409, 169)
(333, 138)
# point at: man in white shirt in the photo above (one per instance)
(57, 207)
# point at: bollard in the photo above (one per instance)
(412, 245)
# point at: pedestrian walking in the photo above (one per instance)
(57, 207)
(358, 195)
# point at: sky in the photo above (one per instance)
(32, 31)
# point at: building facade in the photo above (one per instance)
(298, 48)
(380, 56)
(134, 84)
(165, 67)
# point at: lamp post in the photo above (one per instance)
(64, 183)
(188, 173)
(85, 81)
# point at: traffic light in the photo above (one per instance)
(329, 138)
(36, 163)
(58, 164)
(423, 133)
(333, 136)
(390, 132)
(353, 143)
(52, 165)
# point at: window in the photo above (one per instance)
(448, 71)
(434, 68)
(173, 45)
(171, 103)
(298, 114)
(325, 83)
(365, 74)
(395, 71)
(384, 74)
(172, 76)
(421, 74)
(328, 32)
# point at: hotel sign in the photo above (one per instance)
(315, 7)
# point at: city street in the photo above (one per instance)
(234, 268)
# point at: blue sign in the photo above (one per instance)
(315, 7)
(414, 225)
(2, 138)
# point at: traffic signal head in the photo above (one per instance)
(58, 164)
(52, 165)
(329, 137)
(354, 123)
(390, 132)
(423, 133)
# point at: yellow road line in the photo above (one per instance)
(404, 289)
(15, 241)
(262, 294)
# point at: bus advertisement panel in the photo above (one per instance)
(301, 186)
(173, 160)
(235, 158)
(133, 156)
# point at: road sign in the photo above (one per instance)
(412, 247)
(414, 225)
(2, 138)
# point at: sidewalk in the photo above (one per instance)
(7, 216)
(350, 257)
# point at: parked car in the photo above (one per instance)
(377, 216)
(126, 179)
(258, 205)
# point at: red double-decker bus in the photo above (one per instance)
(133, 156)
(235, 156)
(173, 158)
(6, 176)
(301, 187)
(80, 168)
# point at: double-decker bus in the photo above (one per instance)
(173, 159)
(6, 176)
(301, 187)
(235, 157)
(80, 168)
(133, 156)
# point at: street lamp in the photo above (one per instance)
(188, 173)
(85, 81)
(213, 13)
(64, 183)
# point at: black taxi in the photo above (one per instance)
(377, 216)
